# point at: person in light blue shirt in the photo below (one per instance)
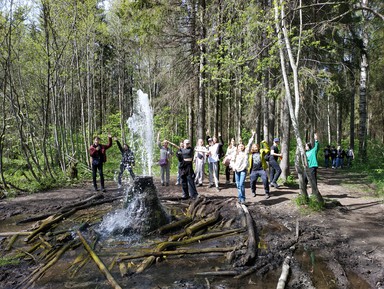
(311, 153)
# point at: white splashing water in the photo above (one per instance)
(140, 126)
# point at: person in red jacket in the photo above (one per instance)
(98, 158)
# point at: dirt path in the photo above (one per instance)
(350, 236)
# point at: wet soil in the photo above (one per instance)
(340, 247)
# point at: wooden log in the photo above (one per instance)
(123, 269)
(165, 245)
(11, 242)
(174, 225)
(48, 223)
(250, 255)
(251, 270)
(41, 270)
(177, 237)
(7, 234)
(146, 264)
(178, 252)
(193, 205)
(54, 219)
(60, 211)
(284, 274)
(98, 262)
(202, 224)
(217, 273)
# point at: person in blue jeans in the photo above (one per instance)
(340, 154)
(239, 164)
(258, 167)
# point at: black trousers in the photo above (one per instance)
(95, 168)
(274, 171)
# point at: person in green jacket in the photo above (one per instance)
(311, 153)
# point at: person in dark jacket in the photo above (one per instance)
(98, 158)
(127, 160)
(274, 167)
(333, 156)
(187, 175)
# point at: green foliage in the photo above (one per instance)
(9, 260)
(310, 204)
(290, 181)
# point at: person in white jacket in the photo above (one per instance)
(240, 165)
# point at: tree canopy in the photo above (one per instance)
(71, 69)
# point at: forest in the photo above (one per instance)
(70, 70)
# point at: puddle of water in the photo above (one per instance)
(322, 277)
(356, 282)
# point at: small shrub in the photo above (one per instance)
(9, 260)
(311, 203)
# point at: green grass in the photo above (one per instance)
(311, 204)
(9, 260)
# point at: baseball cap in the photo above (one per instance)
(210, 139)
(276, 139)
(187, 141)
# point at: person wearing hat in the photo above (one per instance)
(274, 167)
(187, 175)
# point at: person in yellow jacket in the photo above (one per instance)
(258, 167)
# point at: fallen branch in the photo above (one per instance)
(11, 241)
(98, 262)
(250, 255)
(146, 264)
(178, 252)
(202, 224)
(218, 273)
(251, 270)
(61, 211)
(284, 274)
(36, 274)
(50, 221)
(174, 225)
(165, 245)
(7, 234)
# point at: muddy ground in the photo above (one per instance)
(340, 247)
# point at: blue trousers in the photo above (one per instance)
(240, 184)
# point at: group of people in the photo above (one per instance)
(239, 159)
(98, 155)
(334, 157)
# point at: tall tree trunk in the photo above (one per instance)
(285, 140)
(363, 91)
(294, 108)
(202, 74)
